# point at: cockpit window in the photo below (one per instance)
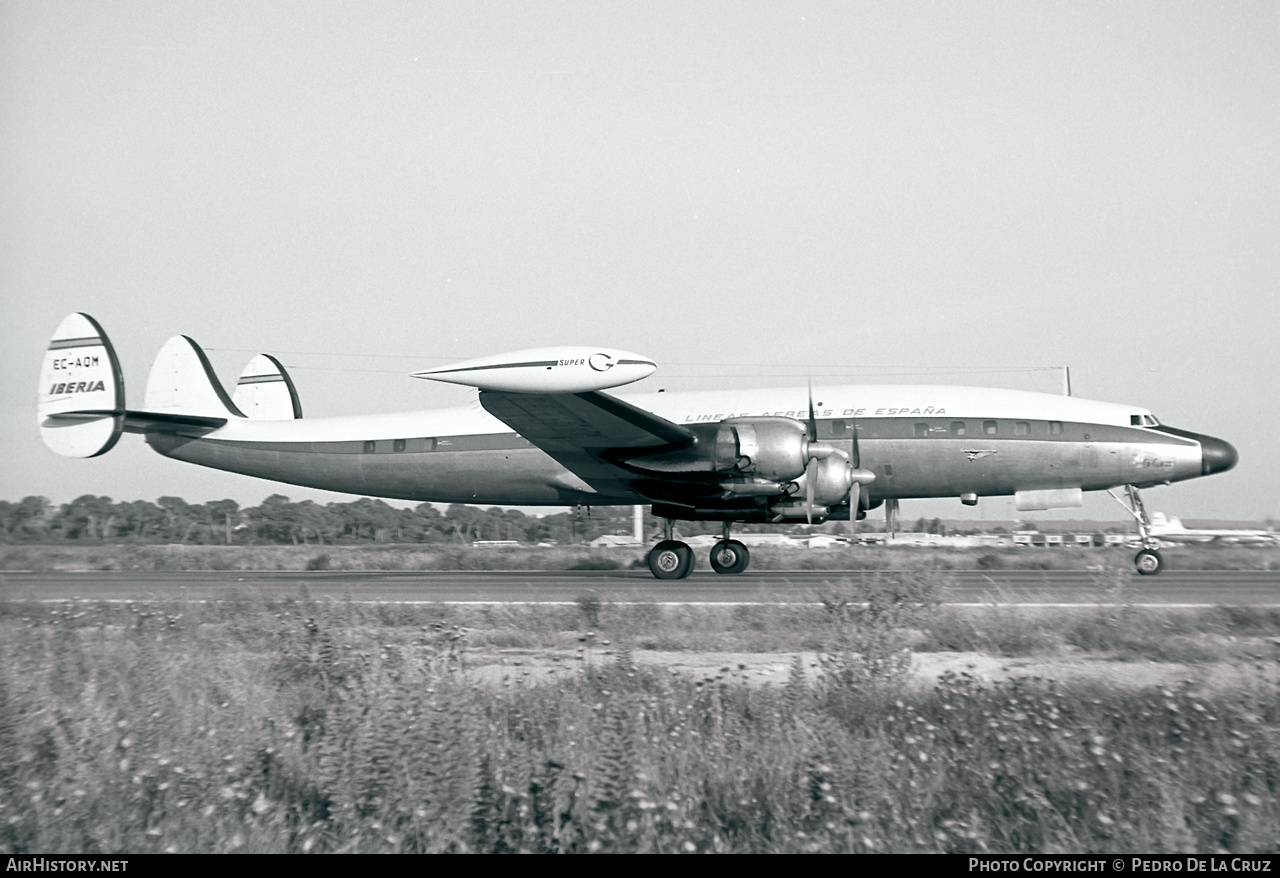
(1150, 421)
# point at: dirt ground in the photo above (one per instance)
(511, 666)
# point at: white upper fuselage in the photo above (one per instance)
(848, 401)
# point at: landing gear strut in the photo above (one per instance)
(670, 558)
(1148, 560)
(729, 556)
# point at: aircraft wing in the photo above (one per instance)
(580, 430)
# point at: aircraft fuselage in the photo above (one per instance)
(919, 442)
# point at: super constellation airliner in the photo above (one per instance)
(545, 433)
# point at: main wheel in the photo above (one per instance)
(671, 559)
(729, 556)
(1148, 562)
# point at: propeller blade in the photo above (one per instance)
(813, 421)
(855, 490)
(855, 497)
(810, 476)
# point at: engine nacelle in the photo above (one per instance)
(776, 449)
(756, 457)
(832, 478)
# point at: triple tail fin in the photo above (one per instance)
(266, 392)
(182, 383)
(80, 407)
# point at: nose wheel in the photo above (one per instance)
(1148, 562)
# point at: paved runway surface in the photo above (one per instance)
(1051, 587)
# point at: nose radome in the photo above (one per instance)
(1216, 456)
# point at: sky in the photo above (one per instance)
(750, 193)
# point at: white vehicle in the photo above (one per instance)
(547, 434)
(1170, 530)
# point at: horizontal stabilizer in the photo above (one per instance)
(162, 422)
(137, 422)
(80, 404)
(182, 382)
(265, 392)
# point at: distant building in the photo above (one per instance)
(613, 541)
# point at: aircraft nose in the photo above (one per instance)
(1216, 456)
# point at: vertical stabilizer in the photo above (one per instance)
(182, 382)
(265, 391)
(80, 407)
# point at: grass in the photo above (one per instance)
(316, 726)
(407, 556)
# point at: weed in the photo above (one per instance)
(303, 725)
(589, 605)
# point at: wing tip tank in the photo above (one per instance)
(547, 370)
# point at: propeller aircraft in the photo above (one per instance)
(546, 434)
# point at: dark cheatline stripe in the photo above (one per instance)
(498, 366)
(260, 379)
(63, 343)
(637, 363)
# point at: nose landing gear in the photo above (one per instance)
(1148, 560)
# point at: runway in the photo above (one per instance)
(1186, 588)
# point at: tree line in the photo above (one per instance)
(280, 520)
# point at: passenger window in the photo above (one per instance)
(922, 431)
(1055, 428)
(957, 428)
(1021, 428)
(989, 427)
(398, 445)
(370, 446)
(837, 429)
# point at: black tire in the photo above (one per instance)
(1149, 562)
(729, 557)
(670, 559)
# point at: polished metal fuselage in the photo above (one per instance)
(937, 442)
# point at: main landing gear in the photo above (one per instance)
(1148, 560)
(672, 559)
